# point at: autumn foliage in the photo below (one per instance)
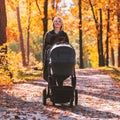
(32, 16)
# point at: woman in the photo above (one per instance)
(57, 34)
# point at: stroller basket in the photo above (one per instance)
(62, 94)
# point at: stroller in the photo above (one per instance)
(61, 65)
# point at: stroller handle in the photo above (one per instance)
(61, 42)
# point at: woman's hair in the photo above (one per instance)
(62, 26)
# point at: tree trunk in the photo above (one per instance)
(118, 33)
(107, 39)
(81, 65)
(21, 37)
(3, 24)
(100, 43)
(45, 19)
(101, 60)
(112, 57)
(28, 32)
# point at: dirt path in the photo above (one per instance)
(99, 99)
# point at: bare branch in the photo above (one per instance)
(38, 6)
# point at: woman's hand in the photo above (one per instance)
(48, 46)
(62, 41)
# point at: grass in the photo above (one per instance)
(112, 71)
(37, 74)
(28, 76)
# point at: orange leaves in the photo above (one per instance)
(12, 34)
(74, 10)
(71, 20)
(13, 4)
(5, 78)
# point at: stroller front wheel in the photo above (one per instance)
(71, 103)
(76, 97)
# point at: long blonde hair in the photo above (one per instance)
(62, 26)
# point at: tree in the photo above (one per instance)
(107, 38)
(45, 12)
(3, 24)
(28, 31)
(118, 33)
(80, 35)
(45, 19)
(21, 37)
(99, 34)
(100, 41)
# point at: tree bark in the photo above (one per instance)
(21, 37)
(101, 60)
(3, 25)
(81, 65)
(100, 43)
(28, 32)
(118, 33)
(107, 39)
(112, 57)
(45, 19)
(3, 22)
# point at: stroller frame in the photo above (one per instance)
(60, 93)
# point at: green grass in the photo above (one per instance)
(112, 71)
(37, 74)
(28, 76)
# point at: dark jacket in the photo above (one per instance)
(50, 39)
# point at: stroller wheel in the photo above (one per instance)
(44, 97)
(76, 97)
(71, 103)
(53, 103)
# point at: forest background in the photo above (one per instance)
(93, 27)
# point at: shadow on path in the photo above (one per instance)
(89, 112)
(10, 103)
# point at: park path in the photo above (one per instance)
(99, 99)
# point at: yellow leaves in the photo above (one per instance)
(71, 21)
(51, 12)
(14, 62)
(12, 34)
(4, 72)
(13, 4)
(5, 78)
(75, 1)
(74, 10)
(100, 5)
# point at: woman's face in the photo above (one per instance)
(57, 23)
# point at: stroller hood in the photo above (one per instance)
(62, 59)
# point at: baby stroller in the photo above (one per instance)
(61, 65)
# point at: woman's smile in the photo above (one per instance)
(57, 23)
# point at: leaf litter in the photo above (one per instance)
(98, 99)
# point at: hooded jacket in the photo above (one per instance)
(50, 39)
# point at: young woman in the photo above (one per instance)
(57, 34)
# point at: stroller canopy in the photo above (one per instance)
(62, 59)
